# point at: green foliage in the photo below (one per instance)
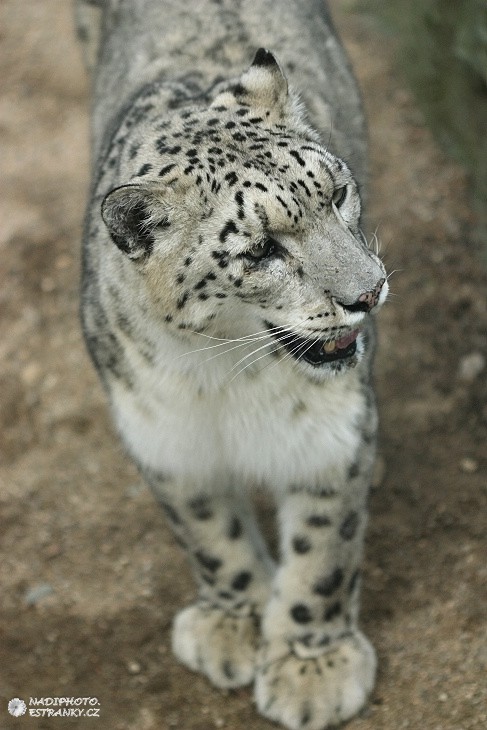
(444, 58)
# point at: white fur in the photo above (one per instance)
(205, 423)
(221, 646)
(332, 688)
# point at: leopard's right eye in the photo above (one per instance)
(262, 250)
(339, 196)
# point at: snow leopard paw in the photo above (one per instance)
(216, 643)
(303, 691)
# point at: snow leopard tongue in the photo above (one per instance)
(347, 340)
(324, 352)
(338, 348)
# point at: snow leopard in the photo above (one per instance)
(228, 303)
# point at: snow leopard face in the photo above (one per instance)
(240, 223)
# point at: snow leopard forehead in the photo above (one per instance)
(251, 126)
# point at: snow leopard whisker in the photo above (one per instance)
(252, 362)
(377, 241)
(256, 337)
(288, 335)
(250, 336)
(226, 339)
(250, 354)
(288, 355)
(242, 344)
(302, 354)
(236, 347)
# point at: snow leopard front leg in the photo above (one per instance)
(315, 667)
(218, 635)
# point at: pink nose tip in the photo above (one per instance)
(367, 300)
(370, 298)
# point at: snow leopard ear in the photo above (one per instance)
(263, 85)
(133, 214)
(265, 81)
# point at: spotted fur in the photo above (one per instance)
(228, 300)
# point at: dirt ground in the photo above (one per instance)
(90, 576)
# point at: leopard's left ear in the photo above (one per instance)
(135, 213)
(263, 85)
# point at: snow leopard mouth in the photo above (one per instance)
(316, 352)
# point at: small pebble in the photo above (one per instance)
(403, 97)
(48, 284)
(63, 262)
(52, 550)
(37, 593)
(468, 465)
(134, 667)
(31, 372)
(471, 366)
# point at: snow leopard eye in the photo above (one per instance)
(262, 250)
(339, 196)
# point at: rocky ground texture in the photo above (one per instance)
(90, 576)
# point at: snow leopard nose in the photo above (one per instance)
(366, 301)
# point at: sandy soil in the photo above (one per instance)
(90, 576)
